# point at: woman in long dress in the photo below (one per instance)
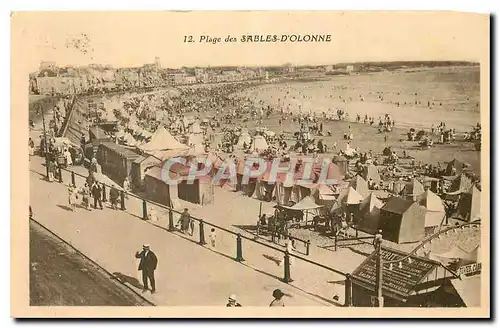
(67, 155)
(72, 198)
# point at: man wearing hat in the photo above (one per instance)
(147, 265)
(231, 302)
(278, 298)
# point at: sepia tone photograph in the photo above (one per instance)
(334, 163)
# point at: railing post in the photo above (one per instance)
(202, 233)
(73, 182)
(356, 227)
(60, 174)
(122, 200)
(144, 210)
(308, 246)
(103, 192)
(348, 290)
(239, 249)
(287, 279)
(335, 245)
(170, 220)
(31, 213)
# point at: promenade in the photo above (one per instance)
(188, 274)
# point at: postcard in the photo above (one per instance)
(332, 164)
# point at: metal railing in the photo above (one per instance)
(200, 239)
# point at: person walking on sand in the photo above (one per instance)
(278, 298)
(147, 265)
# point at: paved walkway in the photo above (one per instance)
(188, 274)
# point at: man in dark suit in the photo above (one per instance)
(147, 265)
(97, 194)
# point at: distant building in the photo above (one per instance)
(157, 63)
(349, 69)
(50, 65)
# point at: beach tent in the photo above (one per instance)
(360, 185)
(412, 189)
(369, 213)
(371, 172)
(350, 196)
(259, 143)
(306, 205)
(434, 208)
(455, 167)
(244, 138)
(325, 193)
(162, 140)
(398, 186)
(342, 163)
(402, 221)
(469, 205)
(460, 184)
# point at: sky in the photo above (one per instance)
(127, 39)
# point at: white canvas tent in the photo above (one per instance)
(161, 141)
(369, 213)
(259, 143)
(350, 196)
(371, 172)
(434, 207)
(244, 138)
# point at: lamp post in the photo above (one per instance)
(379, 270)
(46, 147)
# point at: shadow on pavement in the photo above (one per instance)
(272, 258)
(127, 280)
(64, 207)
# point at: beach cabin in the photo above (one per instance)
(412, 190)
(434, 208)
(460, 184)
(139, 168)
(200, 191)
(368, 216)
(98, 135)
(342, 163)
(116, 161)
(469, 205)
(156, 189)
(402, 221)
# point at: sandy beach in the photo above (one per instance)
(425, 97)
